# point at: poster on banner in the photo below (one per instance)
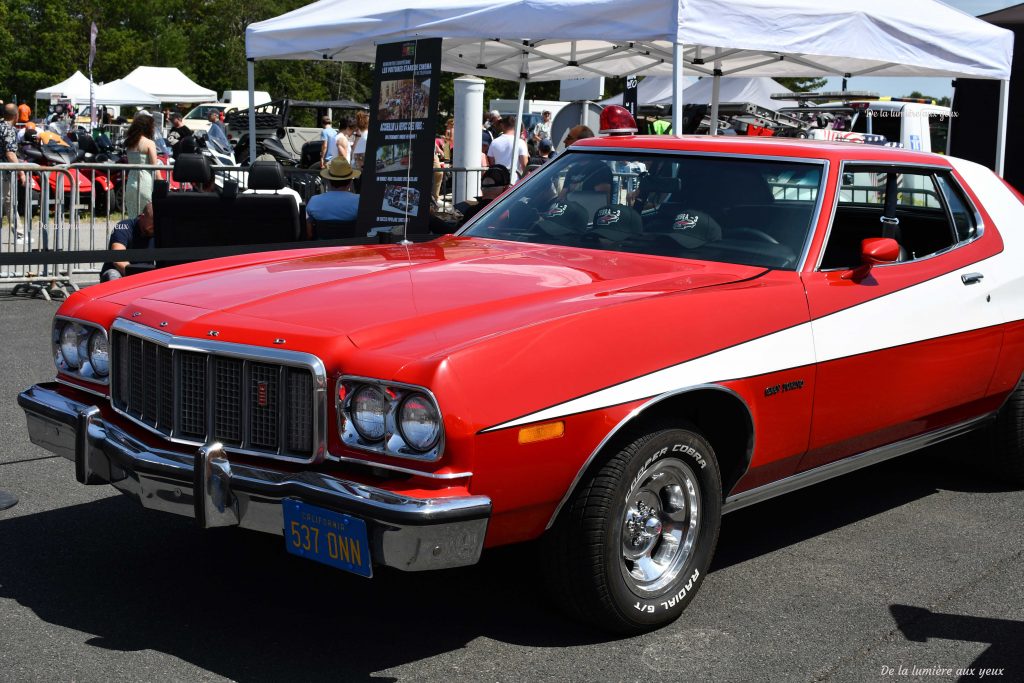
(629, 95)
(398, 170)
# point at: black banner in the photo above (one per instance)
(629, 96)
(397, 175)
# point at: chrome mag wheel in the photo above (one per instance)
(659, 525)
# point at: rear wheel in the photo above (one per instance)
(1008, 437)
(634, 543)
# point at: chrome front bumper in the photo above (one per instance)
(412, 534)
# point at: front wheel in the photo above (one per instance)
(635, 541)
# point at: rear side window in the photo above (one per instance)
(959, 209)
(930, 213)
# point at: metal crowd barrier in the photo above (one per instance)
(55, 226)
(37, 204)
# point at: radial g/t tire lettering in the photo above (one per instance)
(633, 544)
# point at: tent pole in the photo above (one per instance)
(514, 166)
(677, 89)
(250, 67)
(716, 86)
(1004, 97)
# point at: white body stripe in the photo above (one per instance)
(939, 307)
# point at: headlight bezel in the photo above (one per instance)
(84, 331)
(394, 442)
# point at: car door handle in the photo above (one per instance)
(971, 278)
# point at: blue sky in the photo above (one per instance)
(936, 87)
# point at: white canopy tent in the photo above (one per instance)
(686, 37)
(733, 89)
(168, 84)
(76, 87)
(120, 92)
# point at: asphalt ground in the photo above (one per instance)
(910, 570)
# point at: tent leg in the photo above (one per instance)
(1004, 102)
(250, 67)
(677, 89)
(716, 86)
(513, 167)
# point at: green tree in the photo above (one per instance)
(802, 84)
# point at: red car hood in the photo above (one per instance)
(427, 298)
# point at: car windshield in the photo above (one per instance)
(735, 209)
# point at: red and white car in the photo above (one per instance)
(646, 333)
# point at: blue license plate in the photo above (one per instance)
(326, 536)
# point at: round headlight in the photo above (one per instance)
(368, 408)
(98, 356)
(419, 422)
(69, 346)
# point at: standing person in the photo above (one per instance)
(8, 153)
(338, 203)
(214, 119)
(542, 129)
(177, 136)
(24, 112)
(344, 138)
(362, 130)
(501, 150)
(328, 144)
(491, 129)
(141, 149)
(131, 233)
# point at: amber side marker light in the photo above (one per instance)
(551, 430)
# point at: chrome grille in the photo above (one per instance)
(197, 392)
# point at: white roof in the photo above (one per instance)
(779, 38)
(76, 87)
(168, 84)
(122, 92)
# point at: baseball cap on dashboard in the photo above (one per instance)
(564, 218)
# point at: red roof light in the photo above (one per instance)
(616, 120)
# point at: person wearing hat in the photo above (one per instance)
(542, 129)
(339, 203)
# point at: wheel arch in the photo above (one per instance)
(713, 410)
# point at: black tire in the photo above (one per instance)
(607, 519)
(1007, 435)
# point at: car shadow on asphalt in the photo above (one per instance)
(234, 603)
(816, 510)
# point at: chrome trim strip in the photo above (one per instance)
(350, 437)
(979, 223)
(629, 418)
(87, 390)
(813, 227)
(395, 468)
(244, 352)
(850, 464)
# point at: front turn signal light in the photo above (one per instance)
(550, 430)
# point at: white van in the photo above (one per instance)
(911, 124)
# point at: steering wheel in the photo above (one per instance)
(754, 232)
